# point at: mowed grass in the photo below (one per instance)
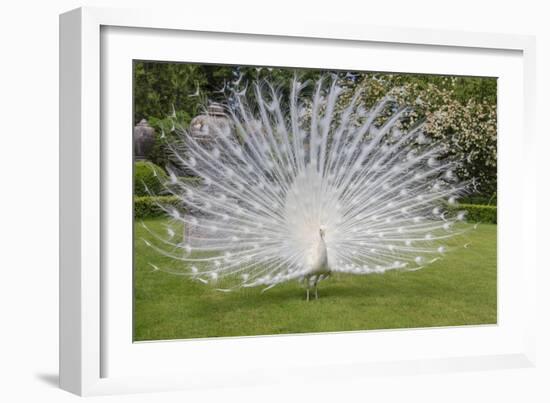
(460, 289)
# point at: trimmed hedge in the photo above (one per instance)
(478, 213)
(148, 174)
(479, 200)
(148, 206)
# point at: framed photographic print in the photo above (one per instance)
(259, 200)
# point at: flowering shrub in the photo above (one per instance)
(459, 113)
(469, 132)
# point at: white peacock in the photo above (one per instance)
(300, 187)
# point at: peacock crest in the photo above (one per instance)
(297, 185)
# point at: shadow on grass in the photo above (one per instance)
(330, 293)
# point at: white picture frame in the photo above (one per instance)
(94, 329)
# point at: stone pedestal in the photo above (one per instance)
(144, 140)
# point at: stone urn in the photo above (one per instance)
(144, 140)
(204, 128)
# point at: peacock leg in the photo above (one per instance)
(316, 294)
(307, 294)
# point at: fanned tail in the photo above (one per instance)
(277, 168)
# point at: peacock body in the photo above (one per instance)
(297, 187)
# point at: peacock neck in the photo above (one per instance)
(322, 246)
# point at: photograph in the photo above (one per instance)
(279, 200)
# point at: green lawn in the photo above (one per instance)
(460, 289)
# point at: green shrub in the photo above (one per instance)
(190, 180)
(148, 206)
(490, 200)
(148, 176)
(477, 213)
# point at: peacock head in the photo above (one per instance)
(322, 231)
